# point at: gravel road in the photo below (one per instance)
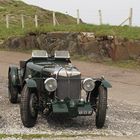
(123, 115)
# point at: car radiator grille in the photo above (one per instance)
(69, 87)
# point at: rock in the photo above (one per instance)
(83, 43)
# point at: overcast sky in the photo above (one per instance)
(113, 11)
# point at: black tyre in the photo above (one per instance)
(101, 107)
(12, 90)
(28, 107)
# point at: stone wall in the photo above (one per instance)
(83, 43)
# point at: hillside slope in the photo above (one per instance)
(15, 8)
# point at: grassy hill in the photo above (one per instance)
(67, 23)
(15, 8)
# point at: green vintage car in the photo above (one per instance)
(50, 84)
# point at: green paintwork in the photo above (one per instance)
(31, 83)
(106, 84)
(14, 74)
(72, 108)
(60, 107)
(34, 67)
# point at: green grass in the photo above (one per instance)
(67, 23)
(15, 8)
(121, 32)
(80, 58)
(128, 64)
(39, 136)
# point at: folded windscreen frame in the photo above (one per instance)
(39, 54)
(62, 54)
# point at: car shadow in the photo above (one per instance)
(78, 123)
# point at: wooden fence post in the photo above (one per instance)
(78, 17)
(36, 21)
(22, 21)
(54, 19)
(7, 21)
(100, 17)
(130, 17)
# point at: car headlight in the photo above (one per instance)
(88, 84)
(50, 84)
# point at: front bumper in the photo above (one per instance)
(72, 108)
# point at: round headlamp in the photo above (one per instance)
(88, 84)
(50, 84)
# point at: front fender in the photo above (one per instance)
(31, 83)
(13, 74)
(106, 84)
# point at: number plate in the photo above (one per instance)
(84, 112)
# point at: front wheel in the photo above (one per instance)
(28, 107)
(12, 90)
(101, 105)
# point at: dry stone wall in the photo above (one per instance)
(81, 43)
